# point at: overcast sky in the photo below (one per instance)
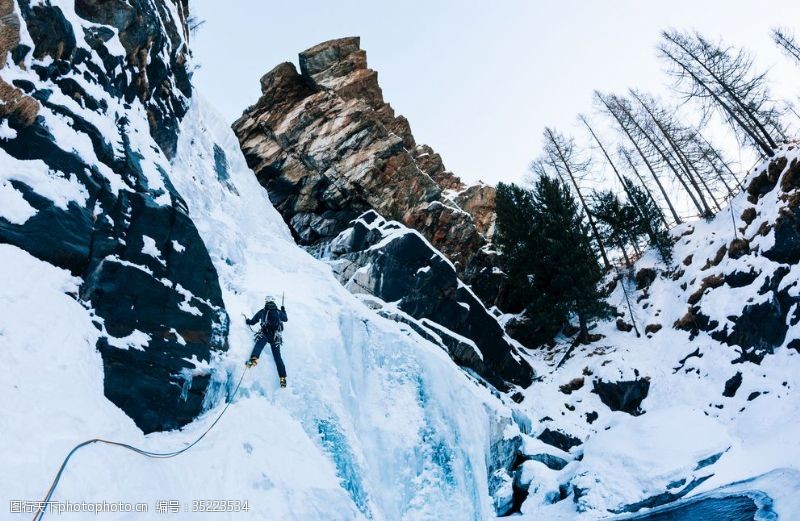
(479, 80)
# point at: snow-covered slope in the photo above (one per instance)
(377, 422)
(707, 395)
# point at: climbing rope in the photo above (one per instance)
(43, 507)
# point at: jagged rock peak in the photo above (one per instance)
(341, 65)
(328, 147)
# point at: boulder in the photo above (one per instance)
(732, 385)
(765, 181)
(559, 439)
(626, 396)
(786, 231)
(644, 277)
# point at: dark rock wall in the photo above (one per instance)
(173, 297)
(397, 265)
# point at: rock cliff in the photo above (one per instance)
(407, 280)
(91, 120)
(328, 147)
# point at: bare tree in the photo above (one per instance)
(627, 155)
(562, 157)
(713, 163)
(669, 138)
(626, 185)
(621, 112)
(786, 41)
(722, 78)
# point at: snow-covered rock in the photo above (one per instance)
(88, 190)
(711, 381)
(394, 263)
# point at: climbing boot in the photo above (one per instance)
(283, 381)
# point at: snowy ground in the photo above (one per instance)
(626, 459)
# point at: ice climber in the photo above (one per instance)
(271, 320)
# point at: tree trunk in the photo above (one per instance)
(724, 163)
(624, 253)
(647, 189)
(583, 336)
(644, 158)
(702, 209)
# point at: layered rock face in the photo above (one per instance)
(328, 147)
(85, 145)
(13, 102)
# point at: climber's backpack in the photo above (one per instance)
(271, 322)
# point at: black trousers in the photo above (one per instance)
(275, 344)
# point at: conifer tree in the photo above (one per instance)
(618, 222)
(650, 220)
(550, 258)
(514, 237)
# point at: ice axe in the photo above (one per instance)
(245, 321)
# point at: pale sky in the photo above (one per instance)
(478, 81)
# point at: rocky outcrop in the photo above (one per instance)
(626, 396)
(113, 218)
(479, 201)
(328, 147)
(397, 265)
(155, 38)
(13, 102)
(758, 265)
(9, 30)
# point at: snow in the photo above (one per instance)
(626, 459)
(187, 298)
(136, 340)
(115, 258)
(376, 422)
(149, 248)
(13, 207)
(638, 457)
(7, 132)
(542, 484)
(42, 180)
